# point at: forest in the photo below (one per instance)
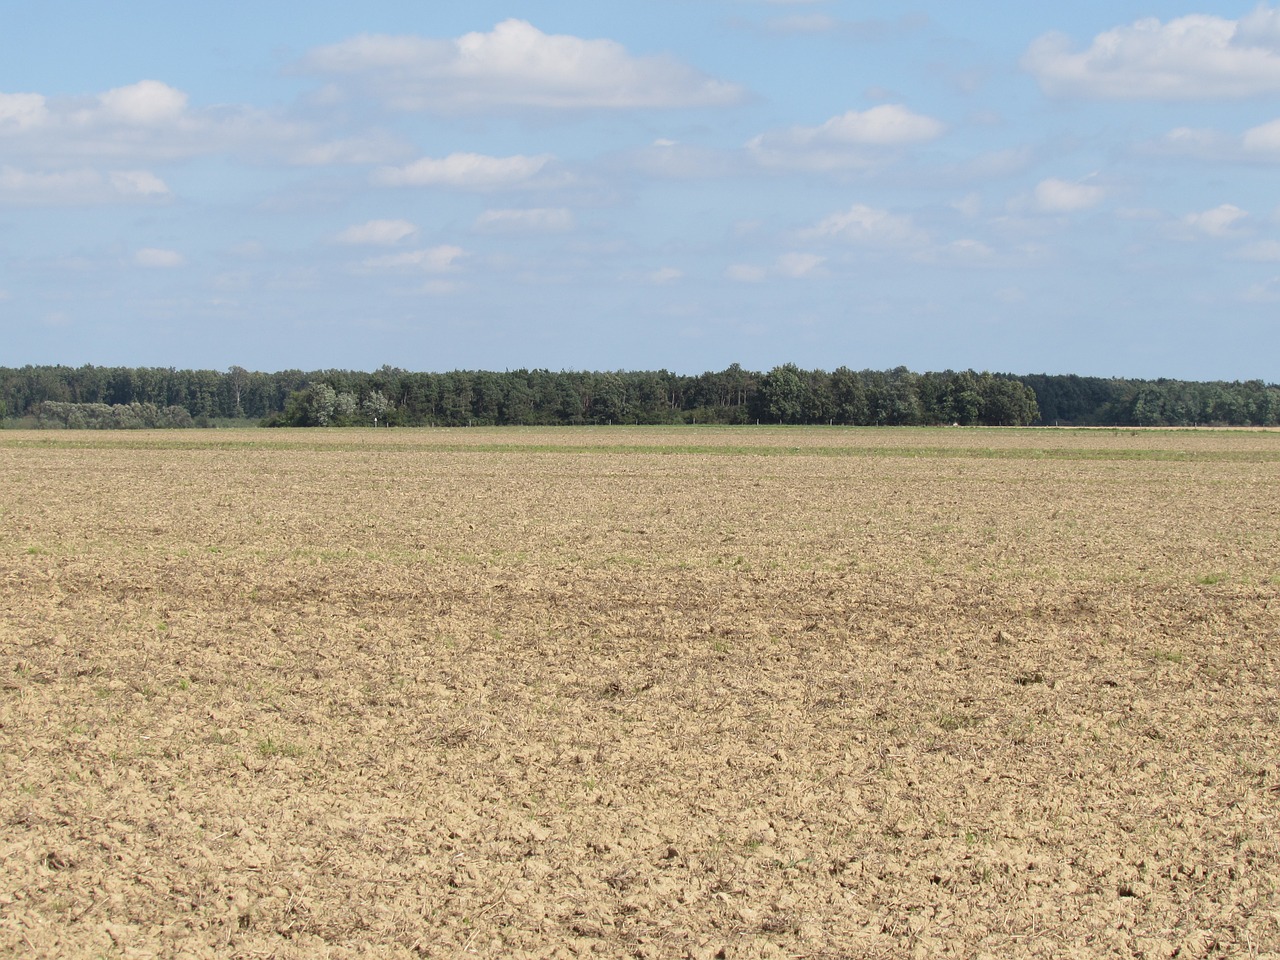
(149, 397)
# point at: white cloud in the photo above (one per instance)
(793, 266)
(1195, 57)
(797, 265)
(45, 186)
(157, 258)
(5, 295)
(885, 125)
(969, 206)
(1193, 141)
(515, 65)
(1217, 222)
(1263, 251)
(79, 186)
(151, 122)
(22, 111)
(383, 233)
(139, 183)
(664, 276)
(370, 147)
(865, 224)
(746, 273)
(1259, 144)
(1263, 139)
(440, 259)
(146, 103)
(843, 141)
(967, 250)
(537, 220)
(468, 171)
(1064, 196)
(1268, 292)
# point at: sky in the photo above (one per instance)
(1088, 188)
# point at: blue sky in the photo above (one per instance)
(1087, 188)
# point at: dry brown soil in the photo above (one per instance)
(640, 693)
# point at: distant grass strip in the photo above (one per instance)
(1169, 455)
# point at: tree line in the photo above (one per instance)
(89, 396)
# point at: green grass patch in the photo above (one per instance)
(762, 441)
(268, 747)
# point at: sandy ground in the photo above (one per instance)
(640, 693)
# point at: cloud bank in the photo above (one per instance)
(515, 65)
(1196, 57)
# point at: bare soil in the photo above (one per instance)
(640, 693)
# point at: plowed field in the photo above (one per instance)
(640, 693)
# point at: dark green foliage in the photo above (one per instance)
(784, 396)
(149, 396)
(1093, 401)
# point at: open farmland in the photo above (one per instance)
(748, 692)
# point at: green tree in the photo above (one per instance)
(963, 403)
(784, 394)
(344, 409)
(374, 407)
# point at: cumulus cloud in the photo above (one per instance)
(1218, 222)
(1263, 139)
(842, 141)
(1064, 196)
(537, 220)
(138, 183)
(1267, 292)
(966, 251)
(1263, 251)
(1195, 57)
(797, 265)
(369, 147)
(442, 259)
(22, 111)
(158, 258)
(467, 171)
(1196, 142)
(746, 273)
(968, 206)
(145, 103)
(79, 186)
(792, 266)
(1259, 144)
(119, 122)
(382, 233)
(886, 125)
(869, 225)
(151, 122)
(515, 65)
